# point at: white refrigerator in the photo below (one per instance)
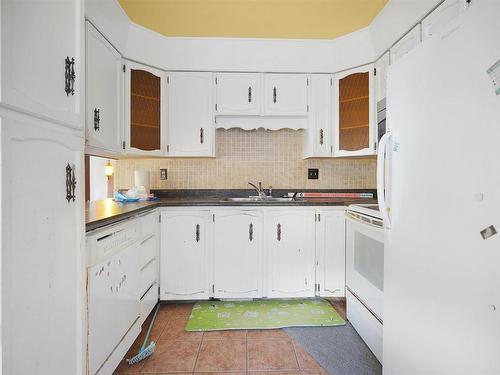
(442, 254)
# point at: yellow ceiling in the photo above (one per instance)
(296, 19)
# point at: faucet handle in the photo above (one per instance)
(270, 191)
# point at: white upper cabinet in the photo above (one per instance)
(443, 14)
(406, 44)
(190, 114)
(104, 73)
(330, 253)
(42, 67)
(238, 248)
(291, 260)
(145, 123)
(238, 93)
(184, 266)
(319, 134)
(285, 94)
(354, 112)
(381, 67)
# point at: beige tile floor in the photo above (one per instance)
(239, 352)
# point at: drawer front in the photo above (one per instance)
(148, 250)
(148, 302)
(149, 275)
(150, 223)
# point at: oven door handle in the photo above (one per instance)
(364, 219)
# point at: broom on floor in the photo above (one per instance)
(145, 351)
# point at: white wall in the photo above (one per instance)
(98, 180)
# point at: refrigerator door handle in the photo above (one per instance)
(381, 178)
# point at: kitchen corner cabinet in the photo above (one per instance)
(354, 112)
(42, 279)
(318, 136)
(238, 93)
(190, 114)
(285, 94)
(291, 260)
(238, 248)
(42, 66)
(145, 122)
(409, 41)
(381, 68)
(104, 76)
(184, 257)
(330, 253)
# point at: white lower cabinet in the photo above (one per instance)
(184, 268)
(330, 253)
(238, 246)
(290, 246)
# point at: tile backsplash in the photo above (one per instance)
(273, 157)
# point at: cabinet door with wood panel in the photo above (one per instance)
(285, 94)
(184, 265)
(238, 248)
(330, 252)
(190, 114)
(354, 112)
(145, 123)
(238, 93)
(42, 66)
(42, 231)
(318, 137)
(290, 247)
(104, 73)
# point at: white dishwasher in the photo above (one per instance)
(113, 290)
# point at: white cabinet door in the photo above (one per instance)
(381, 67)
(291, 243)
(184, 267)
(285, 94)
(103, 125)
(318, 139)
(406, 44)
(190, 114)
(330, 253)
(354, 112)
(37, 37)
(238, 246)
(42, 230)
(238, 93)
(443, 14)
(145, 120)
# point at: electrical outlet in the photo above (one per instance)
(163, 174)
(313, 173)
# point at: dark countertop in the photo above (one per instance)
(107, 211)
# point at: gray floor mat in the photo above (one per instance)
(339, 350)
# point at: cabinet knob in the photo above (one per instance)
(97, 119)
(321, 136)
(275, 94)
(70, 183)
(69, 76)
(278, 232)
(197, 232)
(250, 232)
(201, 135)
(250, 94)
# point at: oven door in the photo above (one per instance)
(365, 261)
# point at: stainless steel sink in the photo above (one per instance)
(257, 199)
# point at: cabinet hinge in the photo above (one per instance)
(374, 71)
(375, 146)
(215, 120)
(307, 80)
(168, 80)
(213, 288)
(308, 108)
(213, 218)
(331, 149)
(319, 217)
(123, 68)
(168, 148)
(331, 81)
(215, 107)
(159, 218)
(215, 80)
(319, 288)
(123, 145)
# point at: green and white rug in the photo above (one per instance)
(262, 314)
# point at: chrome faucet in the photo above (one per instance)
(260, 191)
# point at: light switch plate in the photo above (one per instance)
(313, 173)
(163, 174)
